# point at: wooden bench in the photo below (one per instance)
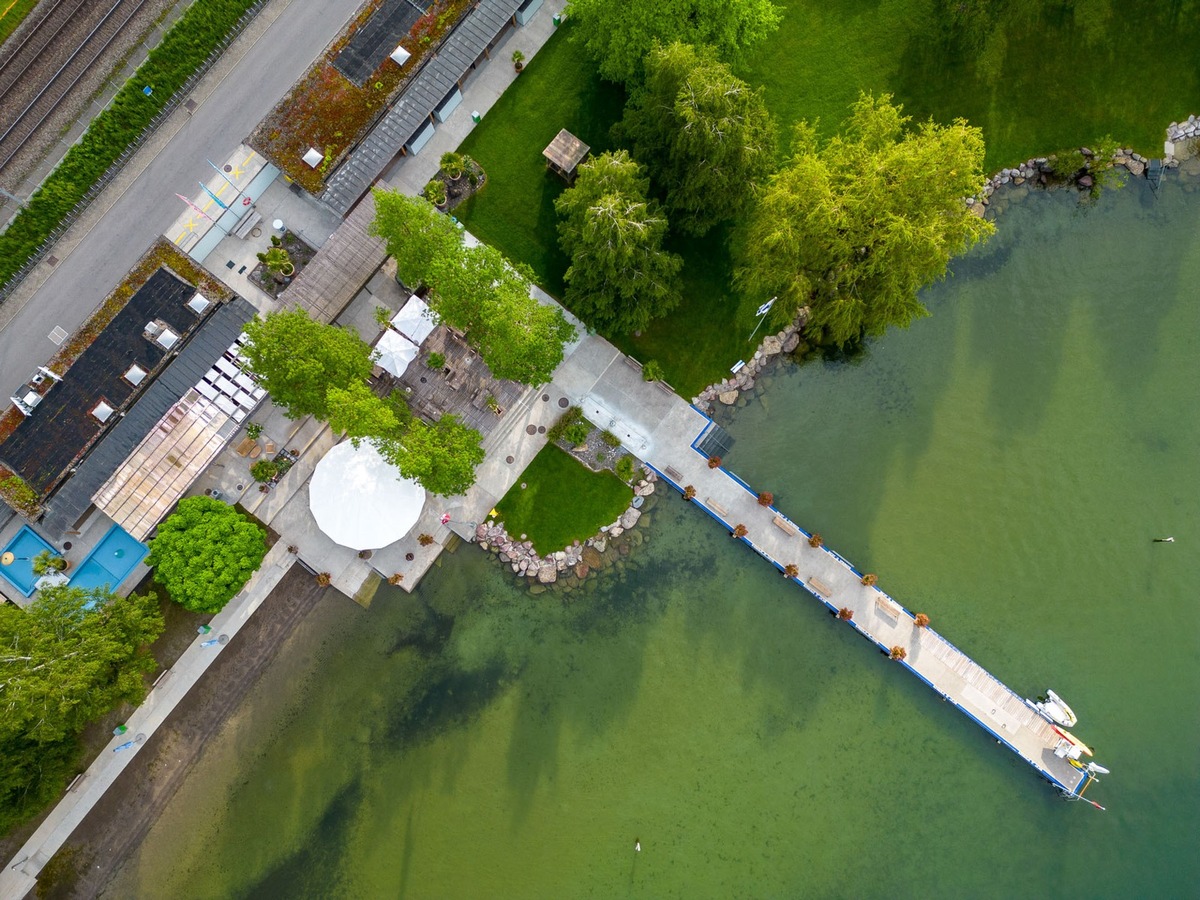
(674, 474)
(246, 446)
(715, 506)
(887, 607)
(784, 525)
(820, 587)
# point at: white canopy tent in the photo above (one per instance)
(359, 499)
(415, 320)
(395, 352)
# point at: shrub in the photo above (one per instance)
(714, 462)
(425, 540)
(254, 431)
(577, 433)
(264, 470)
(453, 164)
(845, 614)
(610, 439)
(324, 579)
(558, 430)
(625, 468)
(652, 371)
(921, 620)
(435, 193)
(766, 498)
(436, 361)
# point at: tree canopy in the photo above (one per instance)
(856, 226)
(620, 276)
(205, 552)
(476, 290)
(359, 413)
(442, 456)
(69, 658)
(298, 360)
(415, 233)
(705, 135)
(619, 36)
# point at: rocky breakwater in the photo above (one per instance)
(568, 568)
(729, 390)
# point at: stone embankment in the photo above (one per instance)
(1178, 132)
(773, 345)
(580, 560)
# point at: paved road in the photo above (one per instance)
(258, 69)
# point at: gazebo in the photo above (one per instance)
(565, 153)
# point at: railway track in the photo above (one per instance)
(51, 58)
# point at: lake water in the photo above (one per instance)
(1003, 466)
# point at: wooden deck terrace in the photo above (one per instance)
(834, 582)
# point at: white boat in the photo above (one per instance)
(1054, 708)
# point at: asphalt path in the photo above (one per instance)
(234, 96)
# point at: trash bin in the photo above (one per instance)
(557, 20)
(476, 115)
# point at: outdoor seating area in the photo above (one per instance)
(462, 385)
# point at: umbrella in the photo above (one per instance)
(395, 352)
(359, 499)
(416, 320)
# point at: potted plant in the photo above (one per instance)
(454, 165)
(435, 193)
(518, 59)
(253, 431)
(277, 260)
(264, 470)
(46, 562)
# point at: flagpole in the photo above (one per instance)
(202, 212)
(762, 315)
(223, 175)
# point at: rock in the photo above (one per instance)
(791, 343)
(560, 556)
(592, 558)
(1137, 168)
(536, 589)
(616, 531)
(1086, 182)
(581, 570)
(748, 384)
(728, 397)
(483, 546)
(771, 346)
(643, 490)
(481, 531)
(638, 500)
(623, 549)
(504, 557)
(630, 517)
(601, 545)
(547, 573)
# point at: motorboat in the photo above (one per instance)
(1054, 708)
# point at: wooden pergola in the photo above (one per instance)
(565, 153)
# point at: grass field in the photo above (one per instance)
(1052, 79)
(12, 14)
(539, 511)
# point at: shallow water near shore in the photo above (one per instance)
(1003, 466)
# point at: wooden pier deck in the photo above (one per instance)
(658, 429)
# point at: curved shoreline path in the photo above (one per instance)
(667, 433)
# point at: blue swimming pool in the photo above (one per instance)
(24, 546)
(110, 561)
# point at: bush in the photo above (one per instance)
(264, 470)
(435, 361)
(577, 433)
(205, 552)
(254, 431)
(182, 50)
(558, 431)
(625, 469)
(652, 371)
(611, 439)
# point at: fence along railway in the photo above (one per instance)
(43, 64)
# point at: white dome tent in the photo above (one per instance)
(359, 499)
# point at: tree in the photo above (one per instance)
(870, 579)
(705, 135)
(359, 413)
(815, 540)
(46, 562)
(442, 456)
(620, 277)
(619, 36)
(415, 233)
(205, 552)
(898, 653)
(857, 226)
(740, 531)
(68, 658)
(298, 360)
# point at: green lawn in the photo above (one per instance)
(1046, 81)
(12, 14)
(564, 501)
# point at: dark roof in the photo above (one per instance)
(427, 89)
(374, 42)
(46, 443)
(72, 500)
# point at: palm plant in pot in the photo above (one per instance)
(277, 260)
(46, 562)
(435, 193)
(454, 165)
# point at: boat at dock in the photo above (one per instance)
(1055, 708)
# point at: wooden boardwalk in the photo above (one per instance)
(834, 582)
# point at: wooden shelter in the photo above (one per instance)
(565, 153)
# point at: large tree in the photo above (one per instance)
(205, 552)
(415, 233)
(854, 227)
(442, 456)
(298, 360)
(619, 36)
(69, 658)
(620, 277)
(704, 134)
(360, 414)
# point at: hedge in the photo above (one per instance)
(181, 52)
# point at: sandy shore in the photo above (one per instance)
(118, 824)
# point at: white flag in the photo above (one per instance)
(766, 307)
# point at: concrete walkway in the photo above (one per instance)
(20, 876)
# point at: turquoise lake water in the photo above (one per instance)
(1003, 466)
